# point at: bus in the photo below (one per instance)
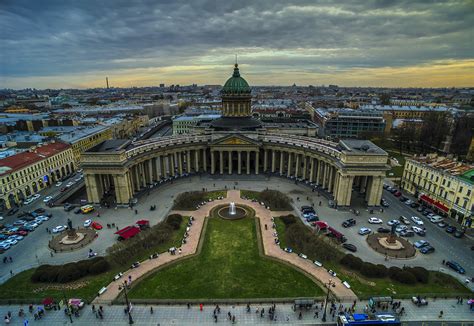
(87, 209)
(364, 319)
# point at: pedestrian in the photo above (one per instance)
(93, 308)
(215, 318)
(200, 306)
(51, 253)
(320, 203)
(189, 305)
(316, 314)
(229, 315)
(440, 314)
(11, 272)
(11, 259)
(233, 319)
(151, 310)
(136, 212)
(300, 316)
(101, 309)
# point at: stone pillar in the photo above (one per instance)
(221, 161)
(344, 190)
(248, 162)
(213, 163)
(319, 174)
(122, 189)
(150, 170)
(325, 174)
(330, 181)
(204, 159)
(265, 160)
(336, 184)
(304, 167)
(289, 164)
(298, 164)
(273, 160)
(188, 161)
(230, 162)
(239, 163)
(311, 169)
(93, 195)
(136, 175)
(142, 174)
(257, 161)
(196, 160)
(281, 162)
(171, 162)
(375, 194)
(180, 162)
(363, 184)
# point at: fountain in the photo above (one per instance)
(232, 210)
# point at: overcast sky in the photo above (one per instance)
(62, 43)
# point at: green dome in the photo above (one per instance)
(236, 84)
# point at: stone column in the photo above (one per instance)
(213, 163)
(142, 174)
(196, 160)
(150, 169)
(265, 160)
(336, 184)
(257, 161)
(311, 171)
(93, 195)
(122, 189)
(297, 169)
(289, 164)
(172, 164)
(281, 162)
(180, 162)
(330, 182)
(248, 162)
(324, 173)
(273, 160)
(363, 184)
(221, 161)
(230, 162)
(239, 163)
(188, 161)
(204, 159)
(304, 167)
(375, 194)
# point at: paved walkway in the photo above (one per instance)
(192, 243)
(179, 315)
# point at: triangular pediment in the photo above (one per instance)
(235, 140)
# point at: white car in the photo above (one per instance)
(36, 196)
(38, 220)
(43, 218)
(417, 220)
(77, 179)
(59, 184)
(28, 201)
(375, 220)
(4, 245)
(10, 241)
(303, 256)
(47, 199)
(34, 225)
(1, 218)
(364, 231)
(87, 223)
(59, 228)
(16, 237)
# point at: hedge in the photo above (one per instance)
(405, 277)
(71, 271)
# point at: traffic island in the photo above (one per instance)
(391, 246)
(64, 241)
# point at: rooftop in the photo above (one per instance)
(356, 146)
(71, 134)
(21, 160)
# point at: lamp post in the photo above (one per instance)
(130, 319)
(328, 286)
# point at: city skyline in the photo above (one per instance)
(57, 44)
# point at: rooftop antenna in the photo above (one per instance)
(236, 59)
(107, 82)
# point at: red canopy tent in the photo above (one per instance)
(427, 199)
(128, 232)
(441, 207)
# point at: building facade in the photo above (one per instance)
(444, 185)
(24, 174)
(236, 144)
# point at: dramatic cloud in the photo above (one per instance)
(64, 43)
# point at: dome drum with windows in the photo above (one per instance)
(236, 96)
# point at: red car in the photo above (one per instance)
(96, 226)
(398, 194)
(22, 233)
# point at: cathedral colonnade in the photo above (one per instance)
(292, 157)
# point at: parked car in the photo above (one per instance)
(455, 266)
(398, 194)
(349, 247)
(420, 209)
(375, 220)
(77, 210)
(383, 230)
(421, 243)
(58, 184)
(393, 222)
(451, 229)
(435, 218)
(303, 256)
(459, 234)
(68, 207)
(414, 205)
(404, 220)
(87, 223)
(59, 228)
(364, 231)
(418, 230)
(348, 223)
(442, 224)
(407, 233)
(417, 220)
(419, 301)
(287, 249)
(427, 250)
(401, 228)
(47, 199)
(135, 264)
(96, 225)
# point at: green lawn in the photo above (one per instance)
(20, 286)
(440, 284)
(229, 266)
(396, 170)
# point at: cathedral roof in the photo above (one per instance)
(236, 85)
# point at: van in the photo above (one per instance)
(436, 219)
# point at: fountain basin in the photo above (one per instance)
(224, 212)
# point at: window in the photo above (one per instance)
(460, 189)
(457, 201)
(468, 192)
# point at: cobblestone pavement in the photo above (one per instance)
(190, 248)
(179, 315)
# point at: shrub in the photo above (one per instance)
(369, 269)
(275, 199)
(421, 274)
(189, 200)
(174, 220)
(382, 271)
(405, 277)
(352, 261)
(392, 271)
(99, 267)
(289, 219)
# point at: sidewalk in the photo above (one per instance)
(180, 315)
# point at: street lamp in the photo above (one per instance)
(328, 286)
(130, 319)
